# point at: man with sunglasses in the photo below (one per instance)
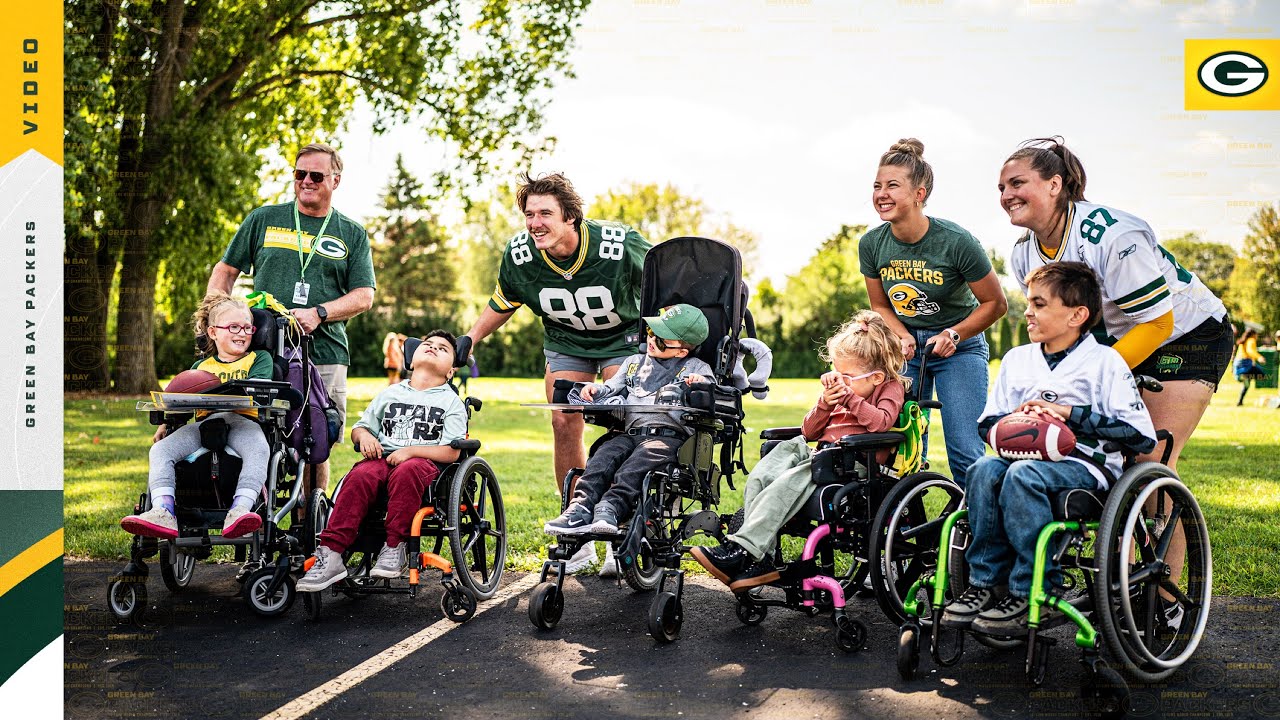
(313, 259)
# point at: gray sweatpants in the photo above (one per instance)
(777, 488)
(245, 437)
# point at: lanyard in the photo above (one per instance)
(297, 228)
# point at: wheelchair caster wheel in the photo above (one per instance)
(850, 634)
(666, 615)
(127, 599)
(751, 614)
(257, 592)
(1105, 694)
(312, 603)
(546, 605)
(458, 605)
(908, 651)
(176, 568)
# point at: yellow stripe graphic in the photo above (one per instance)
(30, 560)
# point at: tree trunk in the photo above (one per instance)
(84, 302)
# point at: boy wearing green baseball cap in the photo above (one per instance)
(651, 439)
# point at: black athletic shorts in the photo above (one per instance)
(1202, 354)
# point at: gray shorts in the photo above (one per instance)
(559, 362)
(335, 380)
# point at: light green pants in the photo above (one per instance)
(776, 489)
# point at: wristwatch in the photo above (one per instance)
(955, 336)
(324, 313)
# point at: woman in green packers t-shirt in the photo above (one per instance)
(932, 283)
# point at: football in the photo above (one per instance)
(193, 381)
(1023, 436)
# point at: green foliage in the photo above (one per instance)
(663, 212)
(174, 109)
(1254, 287)
(822, 295)
(1212, 262)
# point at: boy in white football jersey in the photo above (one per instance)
(1067, 374)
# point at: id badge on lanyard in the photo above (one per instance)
(302, 288)
(300, 292)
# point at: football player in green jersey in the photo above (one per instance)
(582, 277)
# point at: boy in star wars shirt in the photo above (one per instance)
(403, 433)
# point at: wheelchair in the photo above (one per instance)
(1113, 549)
(678, 501)
(859, 510)
(462, 506)
(206, 482)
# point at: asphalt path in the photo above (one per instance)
(203, 654)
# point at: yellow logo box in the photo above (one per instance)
(1231, 74)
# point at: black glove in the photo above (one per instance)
(461, 351)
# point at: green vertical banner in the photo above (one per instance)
(31, 310)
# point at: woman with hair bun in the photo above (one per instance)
(1161, 319)
(933, 284)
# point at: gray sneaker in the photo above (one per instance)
(575, 520)
(1006, 618)
(605, 521)
(391, 562)
(971, 603)
(327, 570)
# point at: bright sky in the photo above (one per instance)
(775, 112)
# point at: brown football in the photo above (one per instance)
(193, 381)
(1021, 436)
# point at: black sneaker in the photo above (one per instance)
(760, 573)
(723, 562)
(576, 520)
(1007, 618)
(605, 520)
(971, 603)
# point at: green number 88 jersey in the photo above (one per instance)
(589, 303)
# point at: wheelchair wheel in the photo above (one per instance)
(645, 573)
(908, 651)
(478, 528)
(176, 572)
(1105, 694)
(127, 599)
(1147, 507)
(665, 617)
(458, 604)
(257, 592)
(319, 506)
(905, 538)
(546, 605)
(749, 613)
(312, 603)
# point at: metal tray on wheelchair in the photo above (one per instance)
(202, 403)
(608, 408)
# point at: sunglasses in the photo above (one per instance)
(315, 175)
(664, 345)
(863, 375)
(237, 328)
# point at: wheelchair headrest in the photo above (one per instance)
(265, 332)
(411, 346)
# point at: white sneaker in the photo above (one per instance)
(583, 559)
(391, 561)
(156, 522)
(608, 568)
(327, 570)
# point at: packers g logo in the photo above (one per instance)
(1231, 74)
(908, 301)
(331, 247)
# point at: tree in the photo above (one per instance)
(1212, 262)
(417, 270)
(1254, 287)
(663, 212)
(171, 102)
(817, 299)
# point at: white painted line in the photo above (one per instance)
(308, 702)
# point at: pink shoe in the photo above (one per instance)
(156, 522)
(239, 522)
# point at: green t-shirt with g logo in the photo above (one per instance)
(266, 246)
(927, 282)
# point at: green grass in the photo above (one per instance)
(1229, 464)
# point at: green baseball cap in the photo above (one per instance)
(682, 322)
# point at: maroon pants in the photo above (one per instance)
(405, 484)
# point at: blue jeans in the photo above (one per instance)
(1009, 503)
(961, 384)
